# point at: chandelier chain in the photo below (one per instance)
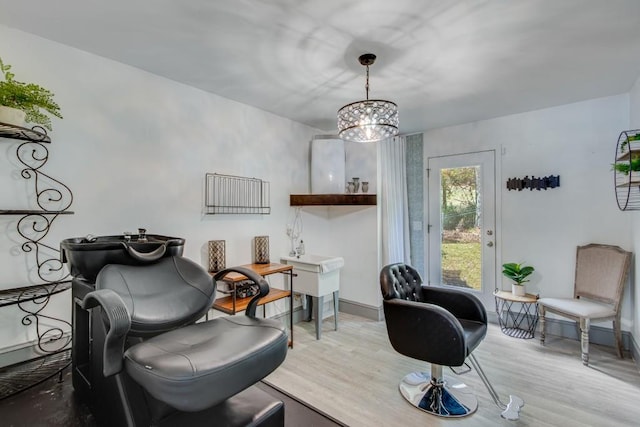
(366, 86)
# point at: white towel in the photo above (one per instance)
(331, 264)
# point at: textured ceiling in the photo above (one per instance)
(443, 62)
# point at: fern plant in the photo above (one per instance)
(36, 101)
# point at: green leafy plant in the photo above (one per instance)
(627, 140)
(626, 167)
(517, 272)
(34, 100)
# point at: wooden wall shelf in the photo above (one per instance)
(332, 199)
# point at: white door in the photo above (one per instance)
(461, 249)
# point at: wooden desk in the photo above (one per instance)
(232, 304)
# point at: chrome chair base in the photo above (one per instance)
(511, 411)
(444, 397)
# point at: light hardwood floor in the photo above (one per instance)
(353, 375)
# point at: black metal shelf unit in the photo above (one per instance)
(626, 173)
(53, 198)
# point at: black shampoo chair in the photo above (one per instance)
(442, 327)
(161, 368)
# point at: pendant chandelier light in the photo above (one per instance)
(368, 120)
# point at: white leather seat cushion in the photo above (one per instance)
(578, 307)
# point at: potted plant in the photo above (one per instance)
(20, 102)
(518, 273)
(628, 139)
(626, 167)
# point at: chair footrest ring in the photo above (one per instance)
(449, 398)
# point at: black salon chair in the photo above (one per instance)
(161, 368)
(442, 327)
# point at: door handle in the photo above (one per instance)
(490, 244)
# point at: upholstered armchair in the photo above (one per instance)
(442, 327)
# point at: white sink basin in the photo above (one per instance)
(317, 275)
(317, 263)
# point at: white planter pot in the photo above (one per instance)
(12, 116)
(518, 290)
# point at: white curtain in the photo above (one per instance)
(394, 201)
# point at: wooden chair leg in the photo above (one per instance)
(584, 340)
(541, 313)
(618, 334)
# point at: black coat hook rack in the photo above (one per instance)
(533, 183)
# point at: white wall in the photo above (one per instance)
(350, 232)
(134, 149)
(543, 228)
(634, 123)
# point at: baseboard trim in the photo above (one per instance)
(597, 334)
(558, 327)
(635, 350)
(298, 315)
(23, 352)
(362, 310)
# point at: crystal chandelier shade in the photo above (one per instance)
(368, 120)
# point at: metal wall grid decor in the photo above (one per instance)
(228, 194)
(533, 183)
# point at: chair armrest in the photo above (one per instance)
(119, 324)
(425, 332)
(462, 305)
(255, 278)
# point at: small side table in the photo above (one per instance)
(521, 323)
